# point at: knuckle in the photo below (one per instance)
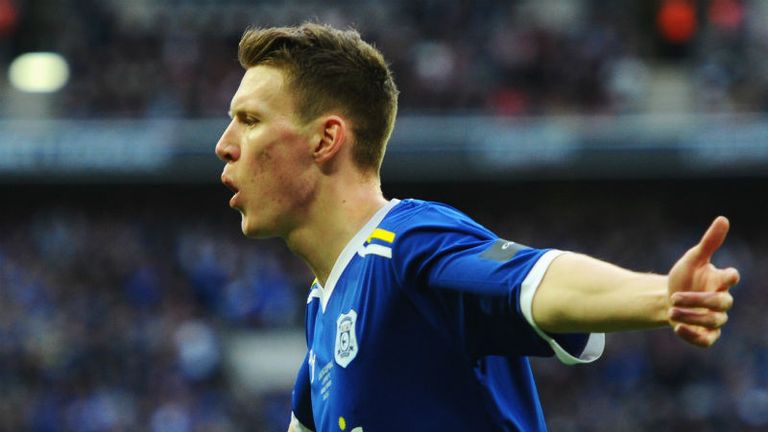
(703, 341)
(671, 314)
(676, 298)
(715, 336)
(717, 320)
(728, 301)
(723, 319)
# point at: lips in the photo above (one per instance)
(231, 186)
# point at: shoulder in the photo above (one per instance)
(417, 230)
(411, 215)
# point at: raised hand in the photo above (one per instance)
(698, 291)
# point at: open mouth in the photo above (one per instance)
(231, 186)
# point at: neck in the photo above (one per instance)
(339, 213)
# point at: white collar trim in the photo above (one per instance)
(350, 250)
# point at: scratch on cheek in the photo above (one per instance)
(265, 155)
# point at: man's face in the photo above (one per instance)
(269, 155)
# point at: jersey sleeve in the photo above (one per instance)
(481, 287)
(302, 419)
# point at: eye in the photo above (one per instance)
(247, 120)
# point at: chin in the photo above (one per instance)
(254, 230)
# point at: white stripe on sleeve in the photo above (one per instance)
(596, 342)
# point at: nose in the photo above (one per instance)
(228, 147)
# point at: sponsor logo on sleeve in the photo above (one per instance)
(502, 250)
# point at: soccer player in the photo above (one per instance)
(419, 319)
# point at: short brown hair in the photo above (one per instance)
(331, 69)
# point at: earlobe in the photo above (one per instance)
(332, 138)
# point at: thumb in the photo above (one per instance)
(711, 240)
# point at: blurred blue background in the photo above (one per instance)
(129, 299)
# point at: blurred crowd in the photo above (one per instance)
(113, 313)
(113, 321)
(170, 58)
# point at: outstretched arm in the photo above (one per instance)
(579, 293)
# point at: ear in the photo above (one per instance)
(333, 134)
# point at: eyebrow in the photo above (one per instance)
(235, 107)
(242, 109)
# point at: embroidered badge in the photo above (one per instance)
(346, 341)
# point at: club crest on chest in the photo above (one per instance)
(346, 346)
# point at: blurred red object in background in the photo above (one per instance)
(8, 17)
(676, 21)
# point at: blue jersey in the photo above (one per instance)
(425, 324)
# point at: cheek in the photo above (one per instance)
(283, 171)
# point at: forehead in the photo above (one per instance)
(263, 88)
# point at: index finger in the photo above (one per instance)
(717, 301)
